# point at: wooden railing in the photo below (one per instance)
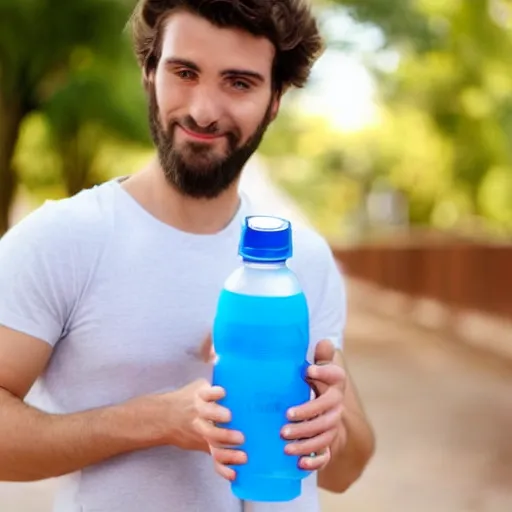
(458, 274)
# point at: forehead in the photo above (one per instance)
(189, 36)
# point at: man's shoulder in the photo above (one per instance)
(310, 247)
(82, 218)
(66, 235)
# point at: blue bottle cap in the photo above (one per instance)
(266, 239)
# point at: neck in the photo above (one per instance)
(199, 216)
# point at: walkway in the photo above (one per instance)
(443, 419)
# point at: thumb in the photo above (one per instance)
(206, 351)
(324, 352)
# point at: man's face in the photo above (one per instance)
(210, 103)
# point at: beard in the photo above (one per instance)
(195, 170)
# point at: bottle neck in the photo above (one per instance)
(265, 265)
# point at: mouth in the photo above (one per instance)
(204, 137)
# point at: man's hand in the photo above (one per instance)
(170, 417)
(317, 425)
(222, 442)
(333, 426)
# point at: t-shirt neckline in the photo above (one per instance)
(233, 227)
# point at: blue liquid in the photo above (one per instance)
(262, 343)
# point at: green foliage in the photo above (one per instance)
(443, 138)
(68, 80)
(461, 84)
(306, 156)
(101, 101)
(38, 41)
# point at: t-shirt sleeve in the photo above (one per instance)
(36, 276)
(328, 313)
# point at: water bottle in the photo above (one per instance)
(261, 337)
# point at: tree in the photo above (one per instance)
(453, 78)
(59, 61)
(98, 104)
(445, 120)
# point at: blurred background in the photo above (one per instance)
(399, 151)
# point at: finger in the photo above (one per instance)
(224, 471)
(316, 463)
(228, 456)
(213, 412)
(328, 374)
(324, 403)
(218, 436)
(316, 444)
(314, 427)
(211, 393)
(324, 352)
(206, 352)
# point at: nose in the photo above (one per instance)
(205, 107)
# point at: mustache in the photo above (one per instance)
(233, 135)
(189, 123)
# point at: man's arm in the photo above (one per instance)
(43, 271)
(351, 452)
(35, 445)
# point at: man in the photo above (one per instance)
(105, 297)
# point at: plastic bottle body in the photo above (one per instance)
(261, 337)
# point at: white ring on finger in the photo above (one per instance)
(317, 454)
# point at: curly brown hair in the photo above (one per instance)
(288, 24)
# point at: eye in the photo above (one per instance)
(185, 74)
(241, 85)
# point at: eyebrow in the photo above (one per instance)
(174, 61)
(244, 72)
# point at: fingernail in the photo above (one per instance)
(292, 414)
(289, 449)
(287, 432)
(313, 371)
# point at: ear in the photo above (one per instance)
(148, 72)
(148, 79)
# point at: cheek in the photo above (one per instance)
(249, 117)
(159, 88)
(169, 97)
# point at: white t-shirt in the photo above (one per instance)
(125, 301)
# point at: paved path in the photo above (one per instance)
(443, 420)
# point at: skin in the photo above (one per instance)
(35, 445)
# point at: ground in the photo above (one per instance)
(443, 420)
